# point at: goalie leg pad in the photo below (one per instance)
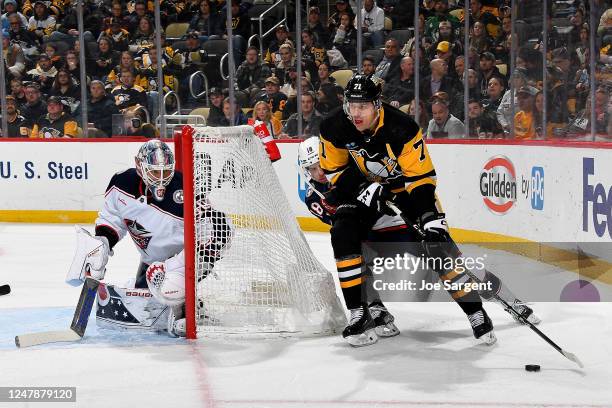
(90, 257)
(130, 309)
(166, 280)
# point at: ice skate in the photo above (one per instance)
(360, 331)
(524, 311)
(383, 320)
(482, 327)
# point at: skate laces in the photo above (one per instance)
(376, 310)
(356, 314)
(476, 319)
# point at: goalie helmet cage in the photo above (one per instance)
(248, 267)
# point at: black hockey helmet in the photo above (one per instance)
(362, 88)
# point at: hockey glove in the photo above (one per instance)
(374, 196)
(435, 227)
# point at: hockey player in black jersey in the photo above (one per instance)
(388, 229)
(371, 153)
(146, 202)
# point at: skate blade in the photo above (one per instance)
(488, 338)
(387, 330)
(364, 339)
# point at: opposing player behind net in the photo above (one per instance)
(146, 202)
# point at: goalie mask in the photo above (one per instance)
(362, 88)
(155, 165)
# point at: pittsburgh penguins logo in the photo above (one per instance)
(376, 167)
(50, 133)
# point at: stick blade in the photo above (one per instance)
(572, 357)
(35, 339)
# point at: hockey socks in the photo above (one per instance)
(351, 279)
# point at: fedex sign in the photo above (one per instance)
(600, 201)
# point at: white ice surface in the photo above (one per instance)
(435, 362)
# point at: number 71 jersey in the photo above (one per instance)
(394, 154)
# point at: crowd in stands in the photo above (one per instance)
(43, 73)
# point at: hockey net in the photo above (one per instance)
(249, 269)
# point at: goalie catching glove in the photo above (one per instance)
(90, 257)
(166, 280)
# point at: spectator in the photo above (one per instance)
(372, 23)
(446, 33)
(125, 62)
(444, 124)
(21, 35)
(10, 7)
(16, 124)
(423, 119)
(206, 22)
(531, 60)
(56, 59)
(319, 32)
(135, 123)
(489, 22)
(487, 71)
(495, 92)
(241, 28)
(273, 56)
(56, 123)
(440, 13)
(116, 15)
(335, 19)
(524, 123)
(459, 67)
(119, 36)
(473, 89)
(581, 125)
(565, 71)
(215, 114)
(345, 38)
(482, 125)
(261, 112)
(186, 61)
(479, 38)
(368, 66)
(100, 108)
(504, 110)
(68, 31)
(148, 79)
(73, 66)
(389, 67)
(34, 107)
(324, 75)
(400, 90)
(239, 116)
(273, 97)
(287, 60)
(311, 119)
(65, 88)
(444, 52)
(143, 38)
(328, 98)
(503, 43)
(252, 74)
(312, 52)
(18, 92)
(290, 89)
(14, 60)
(42, 24)
(44, 73)
(128, 93)
(439, 81)
(140, 11)
(105, 60)
(557, 112)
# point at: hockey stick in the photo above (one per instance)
(79, 321)
(419, 231)
(5, 290)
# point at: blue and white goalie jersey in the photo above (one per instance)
(156, 227)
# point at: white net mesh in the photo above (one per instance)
(255, 272)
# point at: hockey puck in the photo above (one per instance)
(5, 290)
(532, 367)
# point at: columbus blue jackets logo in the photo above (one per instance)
(139, 234)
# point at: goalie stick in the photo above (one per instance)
(507, 306)
(5, 290)
(79, 321)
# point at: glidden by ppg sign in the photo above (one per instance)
(498, 184)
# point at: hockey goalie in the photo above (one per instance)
(146, 202)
